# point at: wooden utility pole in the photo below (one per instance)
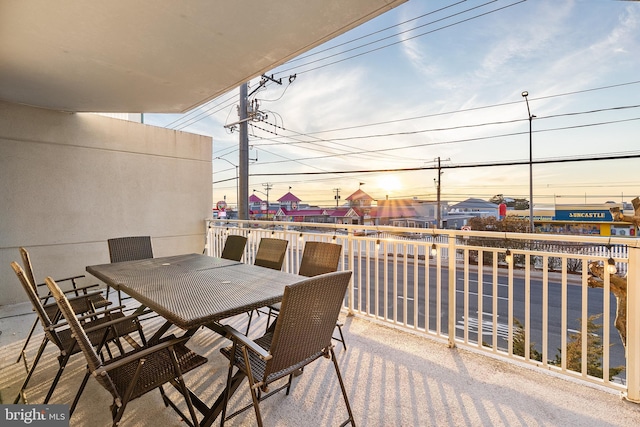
(243, 156)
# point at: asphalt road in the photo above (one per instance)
(437, 289)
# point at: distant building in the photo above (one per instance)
(407, 212)
(289, 201)
(360, 199)
(258, 208)
(591, 219)
(475, 207)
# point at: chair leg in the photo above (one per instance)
(116, 413)
(289, 384)
(79, 393)
(184, 389)
(341, 339)
(344, 390)
(63, 364)
(232, 378)
(223, 414)
(254, 397)
(33, 368)
(26, 342)
(106, 292)
(127, 394)
(266, 330)
(165, 399)
(249, 323)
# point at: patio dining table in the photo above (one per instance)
(196, 290)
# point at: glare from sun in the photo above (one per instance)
(389, 183)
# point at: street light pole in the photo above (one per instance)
(237, 184)
(525, 94)
(267, 187)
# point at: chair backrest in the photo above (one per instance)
(130, 248)
(37, 304)
(28, 269)
(82, 340)
(319, 258)
(306, 321)
(271, 253)
(234, 247)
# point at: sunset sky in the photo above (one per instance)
(444, 79)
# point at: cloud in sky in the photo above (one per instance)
(547, 47)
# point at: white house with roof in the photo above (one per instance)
(475, 207)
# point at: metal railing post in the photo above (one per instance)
(452, 292)
(351, 263)
(633, 326)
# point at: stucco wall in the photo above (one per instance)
(71, 181)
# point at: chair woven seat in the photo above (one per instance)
(156, 371)
(302, 334)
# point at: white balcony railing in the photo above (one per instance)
(532, 310)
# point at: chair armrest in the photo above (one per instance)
(83, 296)
(106, 311)
(105, 324)
(110, 323)
(71, 291)
(72, 278)
(235, 335)
(66, 279)
(141, 354)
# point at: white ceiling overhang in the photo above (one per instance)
(164, 56)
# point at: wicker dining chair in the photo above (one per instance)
(234, 247)
(86, 301)
(136, 373)
(102, 327)
(302, 335)
(129, 249)
(271, 253)
(317, 258)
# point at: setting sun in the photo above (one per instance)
(389, 183)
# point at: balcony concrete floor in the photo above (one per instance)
(393, 379)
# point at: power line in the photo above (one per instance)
(301, 57)
(197, 112)
(636, 155)
(426, 144)
(347, 150)
(477, 108)
(398, 42)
